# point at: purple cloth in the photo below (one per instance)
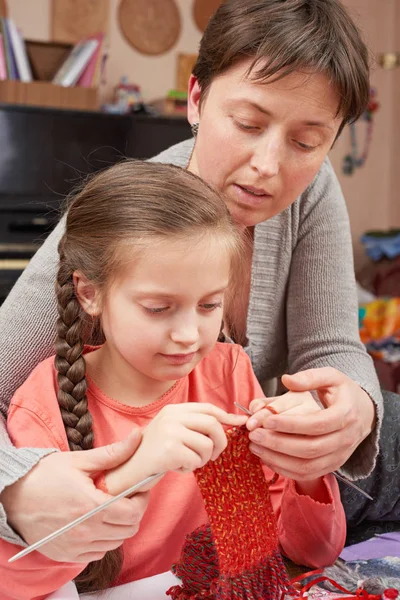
(386, 544)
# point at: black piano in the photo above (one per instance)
(45, 152)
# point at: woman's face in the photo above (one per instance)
(262, 144)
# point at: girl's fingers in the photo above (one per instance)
(210, 429)
(221, 415)
(199, 445)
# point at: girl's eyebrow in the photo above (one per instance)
(158, 294)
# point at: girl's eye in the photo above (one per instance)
(212, 306)
(156, 311)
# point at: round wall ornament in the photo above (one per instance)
(202, 11)
(150, 26)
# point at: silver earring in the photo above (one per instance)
(195, 129)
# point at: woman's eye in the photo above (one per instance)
(212, 306)
(246, 127)
(304, 146)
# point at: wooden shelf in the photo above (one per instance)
(44, 93)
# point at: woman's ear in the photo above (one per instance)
(193, 106)
(87, 294)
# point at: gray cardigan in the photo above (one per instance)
(302, 311)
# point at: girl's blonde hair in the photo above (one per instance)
(119, 210)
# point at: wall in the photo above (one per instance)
(372, 192)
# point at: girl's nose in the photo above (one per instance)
(185, 333)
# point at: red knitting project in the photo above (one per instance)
(236, 556)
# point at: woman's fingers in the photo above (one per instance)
(295, 446)
(288, 404)
(294, 467)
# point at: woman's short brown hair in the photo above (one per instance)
(283, 36)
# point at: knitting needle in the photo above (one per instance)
(79, 520)
(335, 473)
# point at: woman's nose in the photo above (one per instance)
(266, 157)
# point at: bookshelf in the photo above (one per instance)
(44, 93)
(49, 74)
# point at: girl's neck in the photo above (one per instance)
(119, 381)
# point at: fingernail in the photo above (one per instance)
(258, 405)
(255, 436)
(252, 422)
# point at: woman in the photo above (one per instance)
(273, 86)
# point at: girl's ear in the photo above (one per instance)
(87, 294)
(193, 107)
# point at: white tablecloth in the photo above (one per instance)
(152, 588)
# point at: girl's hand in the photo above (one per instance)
(182, 437)
(302, 442)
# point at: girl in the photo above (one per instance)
(146, 258)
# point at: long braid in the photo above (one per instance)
(70, 364)
(71, 395)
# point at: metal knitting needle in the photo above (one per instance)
(335, 473)
(79, 520)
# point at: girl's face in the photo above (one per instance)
(163, 314)
(262, 144)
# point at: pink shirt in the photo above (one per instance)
(310, 533)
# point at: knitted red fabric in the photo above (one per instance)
(236, 555)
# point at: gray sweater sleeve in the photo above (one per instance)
(27, 326)
(322, 290)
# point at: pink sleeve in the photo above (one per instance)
(34, 576)
(310, 533)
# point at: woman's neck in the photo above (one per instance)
(119, 381)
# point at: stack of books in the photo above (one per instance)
(84, 65)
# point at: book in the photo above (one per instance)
(70, 71)
(19, 51)
(12, 72)
(88, 76)
(3, 65)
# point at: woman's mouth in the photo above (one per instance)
(250, 195)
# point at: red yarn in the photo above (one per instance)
(236, 556)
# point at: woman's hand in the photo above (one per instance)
(182, 437)
(59, 489)
(303, 442)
